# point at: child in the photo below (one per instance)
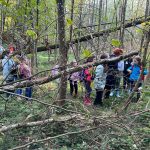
(55, 71)
(119, 67)
(114, 74)
(1, 51)
(11, 48)
(89, 76)
(100, 81)
(135, 71)
(7, 65)
(73, 78)
(25, 73)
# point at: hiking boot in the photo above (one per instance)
(129, 91)
(112, 93)
(118, 94)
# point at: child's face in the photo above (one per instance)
(75, 64)
(135, 61)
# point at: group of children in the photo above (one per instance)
(107, 77)
(15, 68)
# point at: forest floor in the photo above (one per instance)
(20, 110)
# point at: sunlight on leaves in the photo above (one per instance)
(4, 3)
(31, 34)
(115, 42)
(143, 24)
(86, 53)
(139, 31)
(69, 22)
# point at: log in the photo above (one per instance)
(37, 123)
(47, 79)
(128, 24)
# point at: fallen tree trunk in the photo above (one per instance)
(44, 80)
(128, 24)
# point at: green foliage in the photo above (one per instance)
(122, 143)
(140, 31)
(86, 53)
(69, 22)
(115, 42)
(31, 34)
(4, 3)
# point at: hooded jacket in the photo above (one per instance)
(100, 78)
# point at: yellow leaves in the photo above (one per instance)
(115, 42)
(144, 24)
(86, 53)
(139, 31)
(69, 22)
(8, 21)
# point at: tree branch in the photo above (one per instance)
(37, 123)
(128, 24)
(44, 80)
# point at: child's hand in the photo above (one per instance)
(129, 71)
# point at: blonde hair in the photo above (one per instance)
(138, 59)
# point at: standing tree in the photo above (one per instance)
(63, 50)
(123, 15)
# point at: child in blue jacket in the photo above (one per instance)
(135, 71)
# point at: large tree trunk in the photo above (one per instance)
(63, 50)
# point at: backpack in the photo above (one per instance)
(24, 71)
(82, 75)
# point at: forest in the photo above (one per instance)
(74, 74)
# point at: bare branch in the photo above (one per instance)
(37, 123)
(44, 80)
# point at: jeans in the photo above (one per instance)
(125, 80)
(88, 88)
(73, 87)
(28, 92)
(98, 99)
(18, 91)
(132, 84)
(110, 84)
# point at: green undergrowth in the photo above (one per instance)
(108, 136)
(14, 111)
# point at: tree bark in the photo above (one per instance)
(99, 21)
(40, 81)
(123, 15)
(71, 17)
(63, 50)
